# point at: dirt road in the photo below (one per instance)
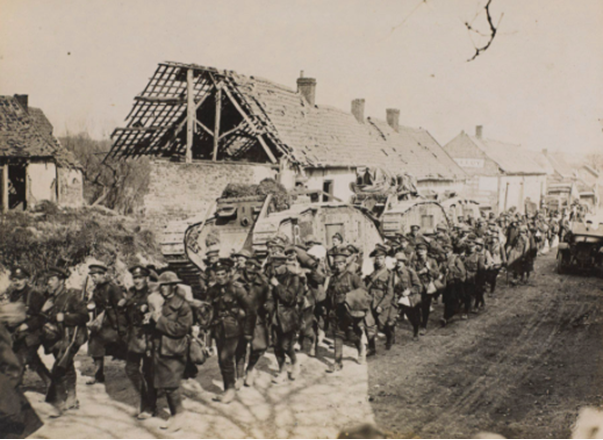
(522, 368)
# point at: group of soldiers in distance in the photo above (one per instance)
(292, 299)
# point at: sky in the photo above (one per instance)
(540, 84)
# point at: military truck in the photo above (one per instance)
(582, 250)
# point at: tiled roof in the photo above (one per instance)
(559, 164)
(510, 158)
(28, 134)
(321, 136)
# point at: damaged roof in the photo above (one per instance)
(314, 136)
(28, 134)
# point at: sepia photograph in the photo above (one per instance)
(301, 219)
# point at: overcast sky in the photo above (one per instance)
(539, 85)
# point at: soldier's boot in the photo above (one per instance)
(295, 370)
(250, 378)
(72, 403)
(312, 352)
(335, 367)
(239, 384)
(56, 412)
(361, 353)
(372, 348)
(320, 337)
(391, 339)
(281, 376)
(99, 371)
(226, 397)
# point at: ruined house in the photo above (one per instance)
(502, 175)
(33, 165)
(206, 127)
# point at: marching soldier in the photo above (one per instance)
(454, 270)
(499, 259)
(474, 264)
(427, 269)
(287, 291)
(208, 277)
(64, 332)
(139, 360)
(340, 319)
(315, 295)
(258, 291)
(239, 259)
(233, 320)
(380, 287)
(482, 273)
(407, 291)
(172, 324)
(106, 297)
(27, 335)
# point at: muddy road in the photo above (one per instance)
(521, 368)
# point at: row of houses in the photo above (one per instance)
(204, 128)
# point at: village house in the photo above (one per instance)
(503, 175)
(205, 128)
(33, 164)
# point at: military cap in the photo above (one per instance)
(152, 273)
(380, 249)
(219, 266)
(341, 252)
(338, 235)
(352, 249)
(54, 271)
(417, 227)
(472, 236)
(422, 246)
(168, 277)
(491, 215)
(19, 273)
(311, 239)
(139, 271)
(401, 256)
(441, 227)
(97, 268)
(242, 253)
(212, 252)
(479, 241)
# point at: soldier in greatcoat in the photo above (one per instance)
(257, 289)
(428, 270)
(172, 325)
(283, 305)
(474, 266)
(456, 274)
(139, 360)
(407, 292)
(64, 332)
(27, 335)
(381, 290)
(233, 320)
(109, 298)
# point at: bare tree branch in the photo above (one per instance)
(493, 30)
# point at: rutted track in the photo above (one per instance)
(512, 369)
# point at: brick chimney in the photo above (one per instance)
(23, 101)
(478, 131)
(307, 87)
(393, 118)
(358, 110)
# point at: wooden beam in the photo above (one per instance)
(204, 127)
(266, 149)
(151, 128)
(229, 132)
(161, 99)
(190, 114)
(240, 110)
(181, 124)
(5, 187)
(217, 122)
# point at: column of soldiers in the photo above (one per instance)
(291, 300)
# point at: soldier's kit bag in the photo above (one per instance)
(431, 288)
(411, 299)
(104, 332)
(358, 302)
(440, 283)
(197, 352)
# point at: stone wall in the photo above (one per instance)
(71, 186)
(178, 191)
